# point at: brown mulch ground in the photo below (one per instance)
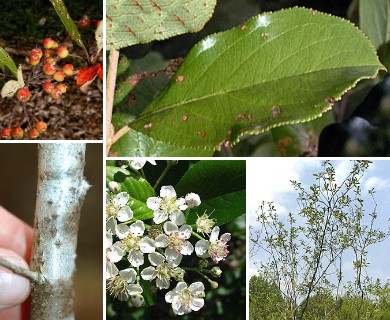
(76, 116)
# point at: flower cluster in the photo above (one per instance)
(154, 252)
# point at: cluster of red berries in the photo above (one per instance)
(53, 54)
(17, 133)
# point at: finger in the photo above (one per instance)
(14, 289)
(15, 235)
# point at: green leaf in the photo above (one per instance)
(7, 64)
(12, 86)
(137, 144)
(374, 19)
(123, 65)
(99, 37)
(277, 68)
(142, 21)
(68, 23)
(223, 209)
(213, 178)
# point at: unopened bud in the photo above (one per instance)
(216, 272)
(114, 186)
(214, 284)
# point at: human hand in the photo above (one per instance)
(15, 246)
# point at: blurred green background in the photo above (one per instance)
(18, 172)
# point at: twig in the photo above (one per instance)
(110, 91)
(27, 273)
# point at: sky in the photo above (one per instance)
(269, 179)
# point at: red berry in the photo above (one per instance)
(49, 69)
(56, 93)
(84, 22)
(23, 95)
(68, 69)
(62, 87)
(37, 51)
(49, 53)
(34, 59)
(6, 133)
(55, 45)
(48, 43)
(62, 52)
(33, 133)
(50, 60)
(59, 76)
(41, 126)
(48, 87)
(17, 133)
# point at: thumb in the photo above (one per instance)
(14, 289)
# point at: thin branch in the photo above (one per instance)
(110, 91)
(27, 273)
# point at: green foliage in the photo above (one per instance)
(221, 186)
(265, 300)
(208, 102)
(7, 64)
(68, 23)
(144, 21)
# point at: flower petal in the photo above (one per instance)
(149, 273)
(214, 234)
(167, 192)
(187, 248)
(134, 289)
(121, 199)
(196, 303)
(201, 248)
(111, 270)
(170, 227)
(122, 231)
(225, 237)
(128, 274)
(186, 230)
(137, 228)
(146, 245)
(177, 217)
(160, 216)
(153, 203)
(161, 241)
(162, 283)
(125, 214)
(136, 258)
(171, 254)
(156, 258)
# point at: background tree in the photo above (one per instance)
(306, 250)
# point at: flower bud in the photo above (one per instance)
(114, 186)
(214, 284)
(137, 301)
(192, 200)
(216, 272)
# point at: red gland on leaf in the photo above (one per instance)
(37, 51)
(17, 133)
(33, 133)
(48, 87)
(34, 59)
(49, 69)
(48, 43)
(59, 76)
(62, 87)
(62, 52)
(68, 69)
(23, 95)
(56, 93)
(6, 133)
(41, 126)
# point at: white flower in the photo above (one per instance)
(133, 242)
(174, 240)
(186, 299)
(122, 286)
(192, 200)
(162, 270)
(114, 186)
(114, 253)
(215, 249)
(167, 205)
(116, 209)
(204, 224)
(139, 164)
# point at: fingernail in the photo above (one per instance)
(14, 289)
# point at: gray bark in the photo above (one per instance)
(60, 194)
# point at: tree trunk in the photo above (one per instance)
(60, 194)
